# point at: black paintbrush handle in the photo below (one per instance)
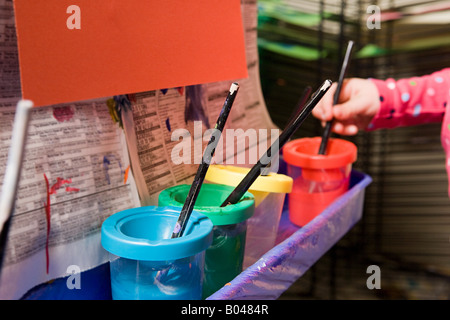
(188, 205)
(327, 131)
(254, 172)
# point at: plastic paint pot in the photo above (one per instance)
(318, 179)
(146, 264)
(224, 258)
(269, 192)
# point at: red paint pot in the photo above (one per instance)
(318, 179)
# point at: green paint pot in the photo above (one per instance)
(223, 259)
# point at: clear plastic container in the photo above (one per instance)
(269, 192)
(318, 179)
(146, 264)
(224, 258)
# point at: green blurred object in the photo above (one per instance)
(291, 50)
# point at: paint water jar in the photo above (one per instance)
(146, 264)
(224, 258)
(318, 179)
(269, 192)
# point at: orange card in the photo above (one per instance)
(83, 49)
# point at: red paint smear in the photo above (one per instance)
(47, 214)
(131, 97)
(63, 113)
(70, 189)
(59, 183)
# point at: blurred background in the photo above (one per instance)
(406, 220)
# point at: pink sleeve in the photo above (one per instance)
(412, 101)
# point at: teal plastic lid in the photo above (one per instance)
(208, 202)
(145, 234)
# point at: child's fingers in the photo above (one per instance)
(349, 109)
(345, 129)
(323, 110)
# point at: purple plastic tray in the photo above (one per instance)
(298, 248)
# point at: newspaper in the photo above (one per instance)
(80, 167)
(75, 174)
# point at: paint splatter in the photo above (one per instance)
(122, 102)
(62, 114)
(177, 228)
(72, 189)
(52, 190)
(125, 176)
(106, 163)
(112, 110)
(59, 183)
(116, 105)
(168, 125)
(131, 97)
(196, 105)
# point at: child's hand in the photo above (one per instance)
(358, 104)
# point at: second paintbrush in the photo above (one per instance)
(255, 171)
(327, 131)
(206, 160)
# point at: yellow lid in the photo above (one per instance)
(231, 175)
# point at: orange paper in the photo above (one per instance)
(82, 49)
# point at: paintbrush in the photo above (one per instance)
(13, 170)
(188, 205)
(327, 130)
(255, 171)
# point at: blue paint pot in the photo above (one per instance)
(146, 264)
